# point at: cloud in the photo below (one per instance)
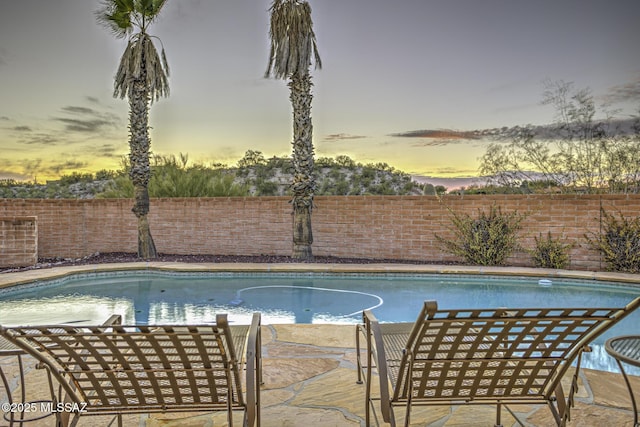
(79, 110)
(31, 167)
(77, 125)
(40, 138)
(451, 183)
(9, 170)
(458, 172)
(56, 168)
(87, 120)
(443, 137)
(626, 92)
(7, 174)
(438, 142)
(105, 150)
(439, 134)
(342, 137)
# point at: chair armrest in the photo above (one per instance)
(114, 319)
(375, 348)
(253, 372)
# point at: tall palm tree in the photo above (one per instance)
(142, 76)
(293, 44)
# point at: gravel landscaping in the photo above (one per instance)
(119, 257)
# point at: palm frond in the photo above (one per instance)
(293, 42)
(121, 16)
(150, 9)
(122, 81)
(116, 16)
(157, 75)
(141, 60)
(165, 63)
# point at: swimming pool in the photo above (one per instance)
(145, 297)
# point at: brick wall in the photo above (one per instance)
(18, 237)
(377, 227)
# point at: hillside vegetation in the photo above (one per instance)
(253, 175)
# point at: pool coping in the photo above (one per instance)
(9, 279)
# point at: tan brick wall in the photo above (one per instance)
(18, 237)
(377, 227)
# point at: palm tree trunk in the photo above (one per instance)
(140, 171)
(303, 164)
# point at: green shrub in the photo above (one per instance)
(120, 188)
(342, 187)
(266, 188)
(618, 242)
(345, 161)
(488, 239)
(550, 252)
(75, 177)
(171, 177)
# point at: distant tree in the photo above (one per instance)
(441, 189)
(76, 177)
(293, 43)
(345, 161)
(581, 153)
(325, 162)
(252, 158)
(104, 174)
(142, 77)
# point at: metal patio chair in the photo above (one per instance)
(478, 356)
(113, 369)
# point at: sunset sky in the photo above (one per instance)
(391, 70)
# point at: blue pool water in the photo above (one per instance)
(153, 298)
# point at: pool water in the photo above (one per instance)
(154, 298)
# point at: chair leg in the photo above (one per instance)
(498, 416)
(367, 403)
(358, 361)
(392, 417)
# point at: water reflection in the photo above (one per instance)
(141, 303)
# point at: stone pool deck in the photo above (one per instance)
(310, 370)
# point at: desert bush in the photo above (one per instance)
(488, 239)
(76, 177)
(618, 242)
(550, 252)
(345, 162)
(170, 177)
(252, 158)
(266, 188)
